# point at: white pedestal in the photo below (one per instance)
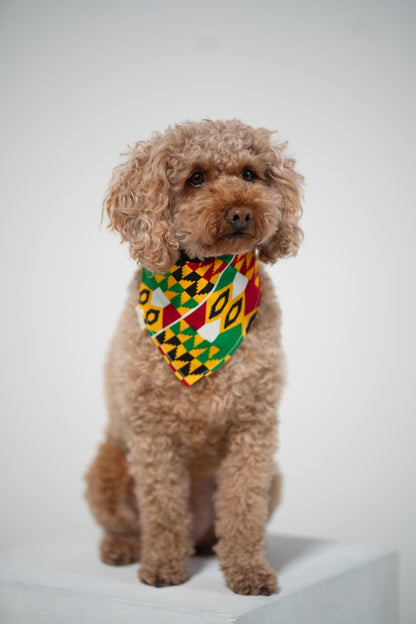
(62, 581)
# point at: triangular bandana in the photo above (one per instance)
(200, 312)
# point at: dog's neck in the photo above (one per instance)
(185, 258)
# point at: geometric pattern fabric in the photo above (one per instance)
(200, 312)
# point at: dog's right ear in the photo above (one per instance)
(138, 206)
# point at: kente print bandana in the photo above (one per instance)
(200, 312)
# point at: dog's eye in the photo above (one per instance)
(248, 175)
(196, 179)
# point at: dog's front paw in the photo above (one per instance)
(251, 578)
(119, 550)
(162, 573)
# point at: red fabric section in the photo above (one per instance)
(197, 318)
(220, 268)
(170, 314)
(252, 297)
(245, 267)
(209, 272)
(197, 265)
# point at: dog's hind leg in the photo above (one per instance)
(110, 494)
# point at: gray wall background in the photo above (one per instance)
(79, 81)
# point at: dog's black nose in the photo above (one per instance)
(239, 217)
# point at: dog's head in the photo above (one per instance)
(205, 189)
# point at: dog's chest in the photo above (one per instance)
(150, 398)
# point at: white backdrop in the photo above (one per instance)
(82, 79)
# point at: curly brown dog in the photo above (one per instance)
(188, 467)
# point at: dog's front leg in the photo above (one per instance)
(162, 490)
(242, 502)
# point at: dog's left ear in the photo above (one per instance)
(138, 205)
(288, 236)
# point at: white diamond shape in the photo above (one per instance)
(210, 331)
(158, 299)
(239, 285)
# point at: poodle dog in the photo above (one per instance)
(188, 460)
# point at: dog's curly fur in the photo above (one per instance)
(185, 468)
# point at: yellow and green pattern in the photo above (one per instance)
(200, 312)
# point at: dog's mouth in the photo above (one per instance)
(227, 241)
(236, 241)
(236, 235)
